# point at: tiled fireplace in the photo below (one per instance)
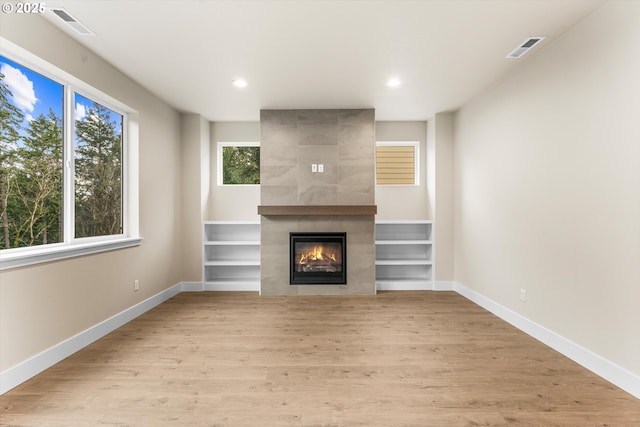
(299, 200)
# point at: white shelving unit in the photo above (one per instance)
(404, 255)
(231, 255)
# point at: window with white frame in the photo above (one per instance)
(63, 163)
(31, 163)
(97, 169)
(238, 163)
(397, 163)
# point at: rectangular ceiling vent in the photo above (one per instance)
(77, 26)
(524, 47)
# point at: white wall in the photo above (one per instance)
(42, 305)
(547, 187)
(238, 202)
(404, 201)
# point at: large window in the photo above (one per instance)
(31, 173)
(238, 163)
(397, 163)
(98, 169)
(62, 162)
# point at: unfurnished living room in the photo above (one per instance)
(320, 213)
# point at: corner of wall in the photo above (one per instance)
(195, 136)
(440, 143)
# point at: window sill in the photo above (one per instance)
(59, 252)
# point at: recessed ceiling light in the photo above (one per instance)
(393, 82)
(240, 83)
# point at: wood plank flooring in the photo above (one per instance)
(395, 359)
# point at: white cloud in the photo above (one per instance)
(20, 86)
(80, 112)
(28, 117)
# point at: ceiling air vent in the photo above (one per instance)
(524, 47)
(72, 22)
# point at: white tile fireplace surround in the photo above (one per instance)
(294, 197)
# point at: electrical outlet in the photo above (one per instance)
(136, 285)
(321, 168)
(523, 295)
(314, 167)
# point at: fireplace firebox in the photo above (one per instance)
(318, 258)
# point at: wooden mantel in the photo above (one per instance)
(299, 210)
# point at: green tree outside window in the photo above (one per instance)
(240, 165)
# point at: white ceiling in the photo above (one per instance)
(318, 54)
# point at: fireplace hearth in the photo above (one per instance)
(318, 258)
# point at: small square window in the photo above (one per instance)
(238, 163)
(397, 163)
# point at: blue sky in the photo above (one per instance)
(34, 94)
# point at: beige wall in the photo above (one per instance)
(404, 201)
(196, 143)
(394, 202)
(442, 176)
(232, 203)
(547, 187)
(43, 305)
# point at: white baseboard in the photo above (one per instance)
(31, 367)
(221, 286)
(606, 369)
(192, 287)
(240, 287)
(415, 286)
(400, 285)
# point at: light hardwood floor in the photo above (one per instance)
(395, 359)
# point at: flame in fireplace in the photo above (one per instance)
(317, 254)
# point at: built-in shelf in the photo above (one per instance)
(231, 258)
(403, 262)
(404, 255)
(301, 210)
